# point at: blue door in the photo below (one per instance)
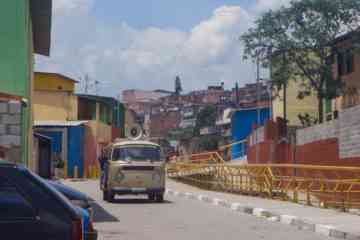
(76, 150)
(56, 141)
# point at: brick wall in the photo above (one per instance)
(331, 143)
(10, 130)
(161, 124)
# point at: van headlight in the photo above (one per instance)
(119, 176)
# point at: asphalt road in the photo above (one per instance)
(134, 218)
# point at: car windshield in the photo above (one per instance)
(137, 153)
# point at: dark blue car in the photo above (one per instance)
(32, 209)
(76, 197)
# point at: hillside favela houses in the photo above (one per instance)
(173, 117)
(78, 125)
(25, 30)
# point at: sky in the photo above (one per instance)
(145, 44)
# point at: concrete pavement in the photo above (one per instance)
(180, 218)
(323, 221)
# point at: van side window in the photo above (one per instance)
(13, 206)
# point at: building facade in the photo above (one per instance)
(346, 66)
(25, 30)
(54, 97)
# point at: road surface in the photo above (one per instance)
(134, 218)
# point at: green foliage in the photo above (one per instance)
(298, 41)
(178, 86)
(181, 134)
(209, 143)
(205, 118)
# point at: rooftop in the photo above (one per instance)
(57, 75)
(58, 123)
(347, 36)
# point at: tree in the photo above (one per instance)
(205, 118)
(301, 36)
(178, 86)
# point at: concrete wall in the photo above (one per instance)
(10, 130)
(51, 105)
(346, 130)
(97, 135)
(335, 143)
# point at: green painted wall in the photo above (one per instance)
(16, 59)
(14, 47)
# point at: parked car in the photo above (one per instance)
(30, 208)
(76, 197)
(89, 232)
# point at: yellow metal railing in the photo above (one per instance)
(325, 186)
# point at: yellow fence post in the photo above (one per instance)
(76, 172)
(270, 180)
(65, 170)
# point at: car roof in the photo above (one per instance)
(134, 142)
(4, 163)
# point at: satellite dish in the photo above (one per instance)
(135, 132)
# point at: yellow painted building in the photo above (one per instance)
(294, 106)
(54, 98)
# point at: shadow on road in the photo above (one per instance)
(137, 201)
(101, 215)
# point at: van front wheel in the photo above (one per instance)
(108, 196)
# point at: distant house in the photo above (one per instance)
(75, 121)
(242, 123)
(68, 143)
(105, 118)
(25, 30)
(161, 124)
(346, 66)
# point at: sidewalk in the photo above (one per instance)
(326, 221)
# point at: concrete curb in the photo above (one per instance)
(301, 224)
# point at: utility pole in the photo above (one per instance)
(237, 94)
(257, 106)
(285, 98)
(97, 83)
(87, 83)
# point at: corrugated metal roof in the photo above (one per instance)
(59, 123)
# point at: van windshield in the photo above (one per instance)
(137, 153)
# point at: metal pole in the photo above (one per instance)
(257, 106)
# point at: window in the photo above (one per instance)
(345, 62)
(13, 205)
(349, 61)
(137, 153)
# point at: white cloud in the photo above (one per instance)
(263, 5)
(122, 57)
(71, 6)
